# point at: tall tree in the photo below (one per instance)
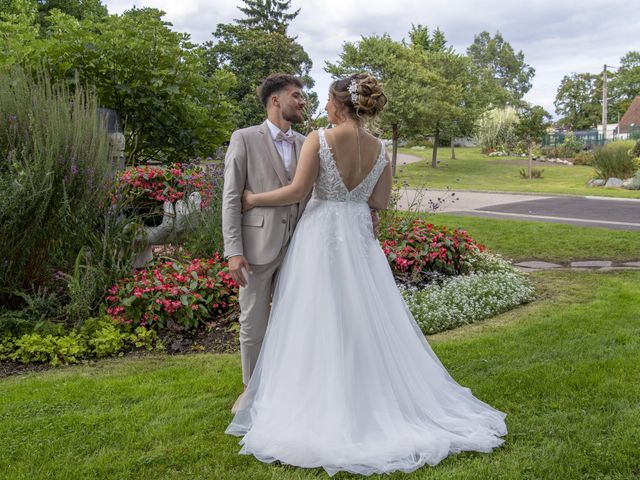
(254, 50)
(625, 85)
(579, 101)
(267, 15)
(79, 9)
(508, 68)
(420, 38)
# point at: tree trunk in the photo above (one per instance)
(434, 156)
(453, 150)
(530, 159)
(394, 156)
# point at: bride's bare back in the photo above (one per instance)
(352, 165)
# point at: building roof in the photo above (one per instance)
(631, 116)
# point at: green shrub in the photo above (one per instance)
(584, 157)
(535, 172)
(59, 239)
(613, 160)
(98, 337)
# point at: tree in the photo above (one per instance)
(507, 68)
(79, 9)
(532, 125)
(421, 39)
(625, 85)
(172, 107)
(456, 97)
(254, 51)
(579, 101)
(268, 15)
(405, 78)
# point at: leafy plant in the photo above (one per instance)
(613, 160)
(189, 292)
(416, 249)
(584, 157)
(535, 173)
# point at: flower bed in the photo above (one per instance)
(144, 189)
(189, 292)
(493, 288)
(416, 248)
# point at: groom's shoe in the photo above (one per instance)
(238, 402)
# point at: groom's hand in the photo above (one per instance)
(238, 266)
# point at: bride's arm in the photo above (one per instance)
(306, 173)
(381, 194)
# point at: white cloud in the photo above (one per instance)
(557, 37)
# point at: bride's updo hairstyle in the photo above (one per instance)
(360, 95)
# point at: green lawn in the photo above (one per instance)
(522, 240)
(473, 171)
(564, 368)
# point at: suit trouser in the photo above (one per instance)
(255, 307)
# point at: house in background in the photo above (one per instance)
(629, 125)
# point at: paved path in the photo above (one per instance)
(601, 265)
(604, 212)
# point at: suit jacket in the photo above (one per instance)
(253, 163)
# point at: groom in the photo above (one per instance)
(261, 158)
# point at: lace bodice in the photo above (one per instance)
(329, 185)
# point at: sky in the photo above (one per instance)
(557, 37)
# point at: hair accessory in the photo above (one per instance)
(353, 90)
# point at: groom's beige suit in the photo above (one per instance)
(262, 234)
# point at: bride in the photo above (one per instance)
(345, 379)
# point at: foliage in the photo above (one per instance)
(465, 299)
(267, 15)
(421, 39)
(625, 85)
(54, 175)
(187, 292)
(635, 151)
(204, 227)
(415, 249)
(535, 173)
(79, 9)
(98, 337)
(613, 160)
(496, 129)
(150, 186)
(579, 101)
(254, 51)
(506, 67)
(583, 158)
(171, 104)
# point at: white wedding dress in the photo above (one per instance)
(345, 379)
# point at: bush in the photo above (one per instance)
(496, 129)
(584, 157)
(416, 249)
(535, 173)
(55, 228)
(98, 337)
(464, 299)
(189, 292)
(613, 160)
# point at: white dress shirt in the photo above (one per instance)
(284, 149)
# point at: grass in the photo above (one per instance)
(523, 240)
(564, 368)
(473, 171)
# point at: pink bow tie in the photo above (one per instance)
(281, 137)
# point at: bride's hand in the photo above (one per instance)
(247, 197)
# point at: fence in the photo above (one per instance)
(591, 138)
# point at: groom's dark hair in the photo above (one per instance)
(274, 83)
